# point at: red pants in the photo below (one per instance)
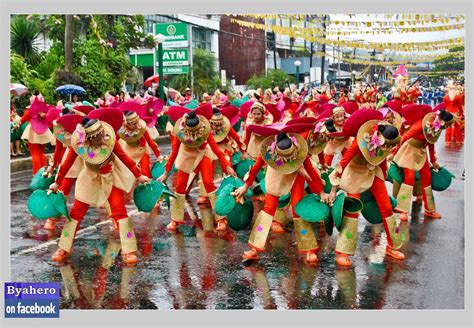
(66, 185)
(116, 202)
(379, 190)
(425, 178)
(145, 165)
(37, 156)
(454, 132)
(207, 176)
(297, 193)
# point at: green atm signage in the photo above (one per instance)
(176, 34)
(177, 57)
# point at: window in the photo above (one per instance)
(201, 38)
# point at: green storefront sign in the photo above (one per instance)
(176, 34)
(142, 60)
(176, 70)
(176, 57)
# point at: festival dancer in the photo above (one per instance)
(107, 174)
(190, 153)
(226, 137)
(256, 116)
(288, 167)
(134, 139)
(363, 167)
(37, 132)
(336, 144)
(426, 126)
(454, 105)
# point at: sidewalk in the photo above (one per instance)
(24, 163)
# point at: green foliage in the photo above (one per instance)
(19, 70)
(206, 78)
(23, 34)
(263, 81)
(450, 62)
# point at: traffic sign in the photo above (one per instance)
(176, 34)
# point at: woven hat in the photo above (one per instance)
(243, 167)
(372, 144)
(441, 179)
(285, 161)
(40, 182)
(245, 108)
(344, 203)
(135, 134)
(325, 178)
(371, 211)
(356, 120)
(272, 109)
(159, 168)
(241, 216)
(38, 124)
(65, 126)
(395, 105)
(112, 116)
(318, 138)
(413, 113)
(350, 107)
(433, 127)
(311, 209)
(84, 149)
(225, 202)
(235, 183)
(59, 202)
(147, 194)
(329, 224)
(394, 173)
(218, 119)
(391, 117)
(41, 206)
(232, 113)
(192, 137)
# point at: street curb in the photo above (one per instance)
(20, 164)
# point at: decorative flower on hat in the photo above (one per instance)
(81, 133)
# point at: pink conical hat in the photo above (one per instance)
(38, 124)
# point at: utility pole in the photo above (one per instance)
(68, 42)
(323, 58)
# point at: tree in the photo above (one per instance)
(23, 39)
(451, 61)
(206, 78)
(68, 42)
(274, 77)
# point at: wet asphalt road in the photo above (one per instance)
(192, 270)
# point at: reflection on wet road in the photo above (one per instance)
(203, 270)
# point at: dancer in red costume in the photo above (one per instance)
(363, 167)
(107, 174)
(426, 126)
(454, 105)
(191, 152)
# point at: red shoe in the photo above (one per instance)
(403, 216)
(50, 224)
(397, 255)
(311, 257)
(173, 226)
(130, 259)
(251, 254)
(221, 225)
(60, 255)
(343, 260)
(277, 227)
(203, 200)
(432, 215)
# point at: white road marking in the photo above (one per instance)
(82, 232)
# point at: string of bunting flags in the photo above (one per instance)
(309, 35)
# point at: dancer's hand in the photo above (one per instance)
(390, 157)
(53, 187)
(230, 171)
(143, 179)
(332, 196)
(160, 159)
(324, 197)
(241, 191)
(163, 177)
(436, 166)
